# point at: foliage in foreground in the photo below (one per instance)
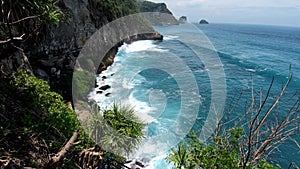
(55, 111)
(41, 120)
(117, 130)
(220, 153)
(35, 124)
(247, 143)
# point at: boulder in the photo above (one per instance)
(108, 94)
(41, 74)
(105, 87)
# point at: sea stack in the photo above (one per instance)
(203, 21)
(183, 19)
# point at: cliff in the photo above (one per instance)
(147, 6)
(52, 54)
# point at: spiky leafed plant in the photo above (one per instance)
(117, 130)
(129, 128)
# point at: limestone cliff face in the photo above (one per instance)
(147, 6)
(82, 19)
(52, 54)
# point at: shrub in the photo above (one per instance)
(54, 111)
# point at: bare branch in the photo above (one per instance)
(65, 149)
(23, 19)
(274, 104)
(13, 39)
(251, 131)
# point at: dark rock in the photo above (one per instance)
(99, 92)
(183, 19)
(12, 60)
(145, 36)
(41, 74)
(105, 87)
(108, 94)
(128, 161)
(53, 70)
(203, 21)
(46, 63)
(104, 77)
(140, 164)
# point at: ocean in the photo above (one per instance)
(176, 85)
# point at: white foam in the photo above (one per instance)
(127, 85)
(159, 161)
(170, 37)
(250, 70)
(138, 46)
(146, 112)
(142, 110)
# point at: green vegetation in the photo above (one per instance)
(122, 119)
(33, 118)
(113, 9)
(29, 108)
(117, 130)
(147, 5)
(82, 85)
(221, 152)
(55, 112)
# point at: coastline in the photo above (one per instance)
(108, 60)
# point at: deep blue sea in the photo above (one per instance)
(176, 84)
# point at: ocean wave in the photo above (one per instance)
(142, 109)
(138, 46)
(170, 37)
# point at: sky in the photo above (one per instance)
(266, 12)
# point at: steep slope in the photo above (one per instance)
(53, 52)
(147, 6)
(161, 9)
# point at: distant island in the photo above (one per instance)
(203, 21)
(183, 19)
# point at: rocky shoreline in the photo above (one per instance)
(109, 59)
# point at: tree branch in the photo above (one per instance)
(65, 149)
(23, 19)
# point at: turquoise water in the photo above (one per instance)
(170, 86)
